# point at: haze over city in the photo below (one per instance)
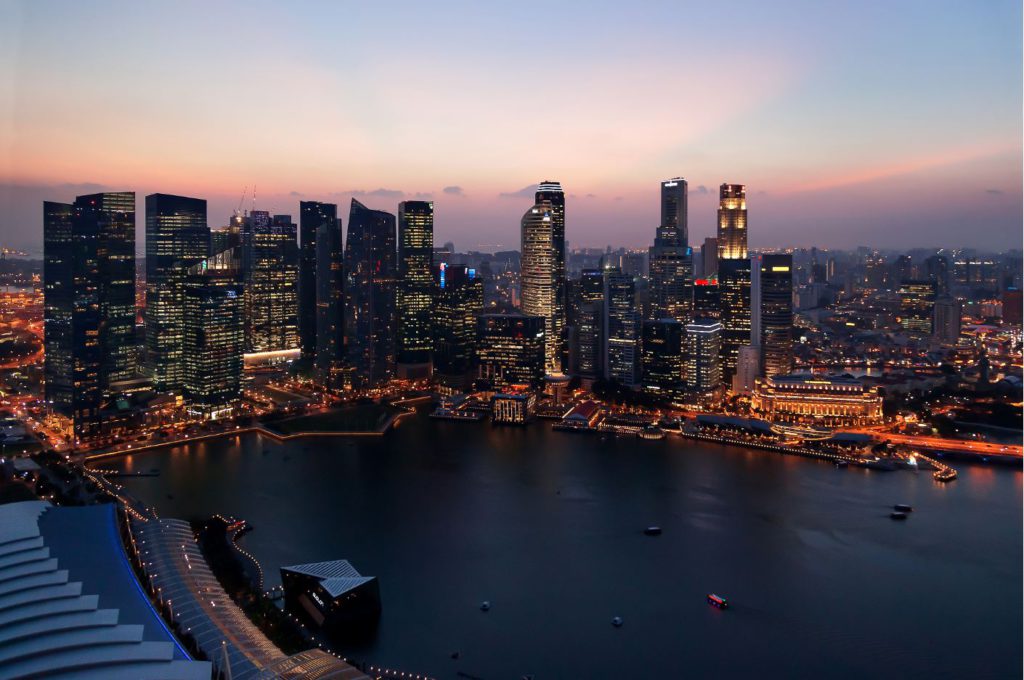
(856, 126)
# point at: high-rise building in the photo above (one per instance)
(702, 357)
(662, 342)
(89, 304)
(370, 272)
(538, 279)
(551, 191)
(213, 337)
(707, 302)
(415, 287)
(948, 313)
(776, 313)
(177, 238)
(330, 303)
(458, 300)
(748, 368)
(938, 270)
(732, 222)
(917, 306)
(734, 294)
(588, 325)
(312, 216)
(903, 269)
(622, 328)
(271, 271)
(709, 258)
(674, 209)
(511, 350)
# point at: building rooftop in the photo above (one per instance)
(336, 576)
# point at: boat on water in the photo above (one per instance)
(903, 507)
(717, 601)
(651, 432)
(652, 531)
(897, 515)
(485, 606)
(842, 463)
(617, 621)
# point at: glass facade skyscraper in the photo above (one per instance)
(734, 297)
(551, 191)
(177, 238)
(538, 278)
(776, 313)
(511, 350)
(622, 328)
(370, 273)
(271, 266)
(732, 222)
(674, 208)
(312, 216)
(330, 302)
(415, 286)
(662, 342)
(458, 300)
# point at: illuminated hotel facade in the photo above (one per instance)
(829, 401)
(539, 283)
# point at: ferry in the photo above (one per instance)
(717, 601)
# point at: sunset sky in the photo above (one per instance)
(889, 124)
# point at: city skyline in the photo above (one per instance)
(829, 145)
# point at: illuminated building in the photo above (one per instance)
(832, 401)
(671, 260)
(513, 409)
(702, 356)
(748, 368)
(776, 313)
(876, 274)
(917, 304)
(734, 296)
(939, 273)
(312, 216)
(511, 350)
(621, 327)
(1012, 311)
(707, 302)
(588, 332)
(551, 192)
(662, 343)
(177, 238)
(674, 209)
(903, 269)
(732, 222)
(370, 269)
(415, 287)
(540, 287)
(89, 304)
(332, 596)
(213, 337)
(948, 312)
(976, 272)
(330, 303)
(271, 269)
(458, 300)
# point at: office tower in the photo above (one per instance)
(748, 367)
(224, 238)
(734, 294)
(622, 328)
(755, 299)
(702, 357)
(976, 272)
(330, 303)
(213, 336)
(673, 208)
(937, 267)
(177, 238)
(948, 312)
(662, 355)
(551, 192)
(312, 216)
(415, 287)
(776, 313)
(458, 300)
(709, 258)
(538, 279)
(707, 302)
(633, 262)
(511, 350)
(876, 274)
(89, 304)
(588, 324)
(903, 269)
(370, 270)
(917, 303)
(732, 222)
(271, 267)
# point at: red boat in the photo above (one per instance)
(718, 601)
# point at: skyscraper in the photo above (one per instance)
(948, 312)
(938, 273)
(415, 286)
(458, 300)
(703, 355)
(312, 216)
(709, 257)
(622, 328)
(674, 209)
(551, 192)
(271, 268)
(370, 271)
(511, 350)
(177, 238)
(776, 313)
(662, 355)
(213, 336)
(734, 296)
(588, 327)
(732, 222)
(917, 304)
(89, 304)
(540, 286)
(330, 303)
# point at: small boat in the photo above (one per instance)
(617, 621)
(485, 606)
(903, 507)
(717, 601)
(842, 463)
(652, 531)
(897, 515)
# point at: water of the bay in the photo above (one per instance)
(548, 527)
